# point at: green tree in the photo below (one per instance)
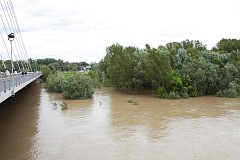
(45, 73)
(158, 68)
(78, 86)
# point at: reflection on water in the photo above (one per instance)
(107, 127)
(18, 124)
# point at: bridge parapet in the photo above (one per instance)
(20, 81)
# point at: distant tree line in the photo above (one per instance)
(49, 66)
(59, 64)
(51, 63)
(177, 69)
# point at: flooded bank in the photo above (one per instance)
(108, 127)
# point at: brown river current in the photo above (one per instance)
(107, 127)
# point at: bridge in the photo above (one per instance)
(10, 85)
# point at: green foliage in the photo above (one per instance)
(176, 84)
(173, 95)
(54, 82)
(93, 74)
(232, 91)
(64, 105)
(60, 65)
(158, 67)
(228, 45)
(184, 95)
(161, 93)
(45, 73)
(78, 86)
(73, 85)
(130, 101)
(124, 67)
(179, 69)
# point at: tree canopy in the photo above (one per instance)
(178, 69)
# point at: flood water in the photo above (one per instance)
(107, 127)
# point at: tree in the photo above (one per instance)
(45, 73)
(158, 68)
(77, 86)
(227, 45)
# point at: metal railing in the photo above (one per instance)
(6, 83)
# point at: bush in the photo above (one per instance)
(54, 82)
(173, 95)
(78, 86)
(64, 105)
(130, 101)
(94, 76)
(219, 94)
(185, 95)
(161, 93)
(232, 93)
(45, 73)
(192, 91)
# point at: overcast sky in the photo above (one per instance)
(80, 30)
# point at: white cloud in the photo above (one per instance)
(80, 30)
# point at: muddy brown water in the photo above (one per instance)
(107, 127)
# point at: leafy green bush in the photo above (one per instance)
(130, 101)
(184, 95)
(161, 93)
(192, 91)
(233, 90)
(78, 86)
(232, 93)
(45, 73)
(173, 95)
(220, 93)
(54, 82)
(64, 105)
(95, 77)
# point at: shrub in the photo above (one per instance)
(161, 93)
(232, 93)
(63, 105)
(173, 95)
(130, 101)
(54, 82)
(185, 95)
(219, 94)
(45, 73)
(192, 91)
(78, 86)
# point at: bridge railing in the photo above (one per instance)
(6, 83)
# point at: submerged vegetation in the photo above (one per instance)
(175, 70)
(133, 102)
(73, 85)
(64, 105)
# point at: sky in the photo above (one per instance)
(80, 30)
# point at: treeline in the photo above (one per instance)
(59, 64)
(51, 63)
(178, 69)
(50, 66)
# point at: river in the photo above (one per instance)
(107, 127)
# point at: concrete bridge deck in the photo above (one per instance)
(20, 81)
